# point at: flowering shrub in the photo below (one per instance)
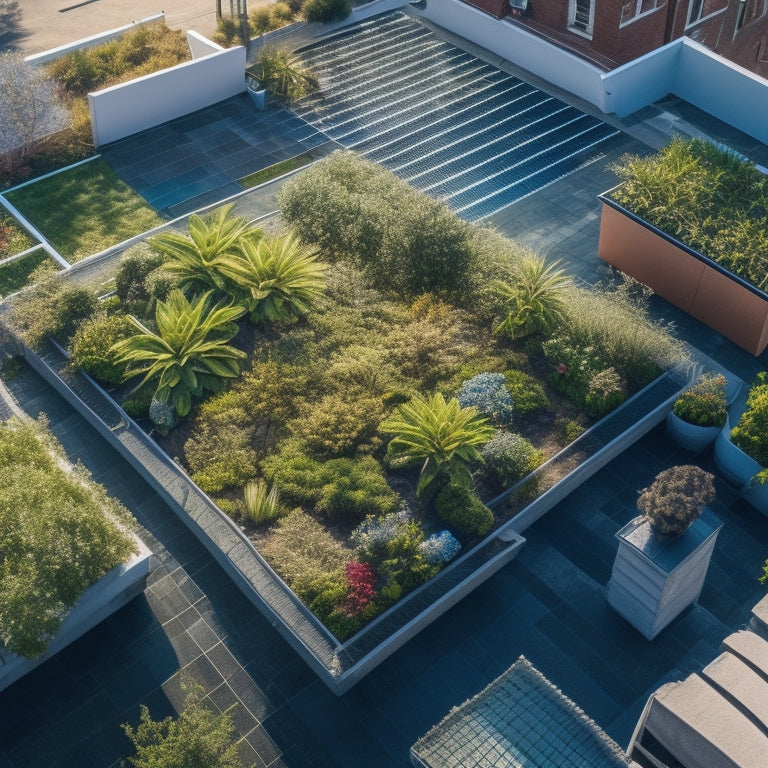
(440, 548)
(360, 586)
(606, 390)
(703, 403)
(374, 533)
(488, 392)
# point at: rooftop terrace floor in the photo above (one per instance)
(548, 604)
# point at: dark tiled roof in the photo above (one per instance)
(520, 719)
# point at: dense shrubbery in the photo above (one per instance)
(707, 197)
(489, 394)
(327, 11)
(507, 458)
(58, 537)
(91, 346)
(463, 512)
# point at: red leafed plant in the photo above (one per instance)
(360, 591)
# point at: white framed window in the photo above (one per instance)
(749, 11)
(581, 17)
(635, 9)
(698, 10)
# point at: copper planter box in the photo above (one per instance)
(684, 277)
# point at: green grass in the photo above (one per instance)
(278, 169)
(13, 239)
(84, 210)
(14, 275)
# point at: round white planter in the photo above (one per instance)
(692, 437)
(739, 469)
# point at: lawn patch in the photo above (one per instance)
(278, 169)
(84, 209)
(15, 273)
(13, 239)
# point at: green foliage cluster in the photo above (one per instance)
(341, 490)
(751, 433)
(527, 393)
(52, 309)
(460, 509)
(703, 403)
(507, 458)
(91, 346)
(200, 736)
(58, 537)
(262, 504)
(281, 74)
(707, 197)
(141, 51)
(327, 11)
(345, 206)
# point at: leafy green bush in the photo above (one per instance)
(704, 402)
(527, 394)
(135, 267)
(327, 11)
(91, 346)
(199, 736)
(606, 390)
(507, 458)
(337, 426)
(463, 512)
(57, 539)
(343, 204)
(341, 490)
(52, 309)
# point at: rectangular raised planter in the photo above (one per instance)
(684, 277)
(107, 595)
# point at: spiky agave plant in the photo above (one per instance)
(533, 297)
(188, 354)
(280, 278)
(442, 433)
(196, 258)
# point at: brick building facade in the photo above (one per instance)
(612, 32)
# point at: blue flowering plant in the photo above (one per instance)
(440, 548)
(489, 393)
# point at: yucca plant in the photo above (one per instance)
(282, 75)
(280, 277)
(262, 504)
(533, 298)
(442, 433)
(196, 258)
(188, 354)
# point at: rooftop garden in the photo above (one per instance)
(709, 198)
(61, 534)
(352, 386)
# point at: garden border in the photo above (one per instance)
(339, 665)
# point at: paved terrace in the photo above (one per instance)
(548, 604)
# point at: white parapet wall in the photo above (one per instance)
(89, 42)
(200, 46)
(98, 602)
(125, 109)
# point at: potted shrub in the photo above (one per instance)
(691, 222)
(741, 452)
(698, 415)
(664, 553)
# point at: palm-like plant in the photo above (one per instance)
(189, 353)
(281, 278)
(196, 258)
(281, 74)
(442, 433)
(533, 298)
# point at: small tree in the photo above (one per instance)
(442, 433)
(282, 75)
(29, 110)
(198, 737)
